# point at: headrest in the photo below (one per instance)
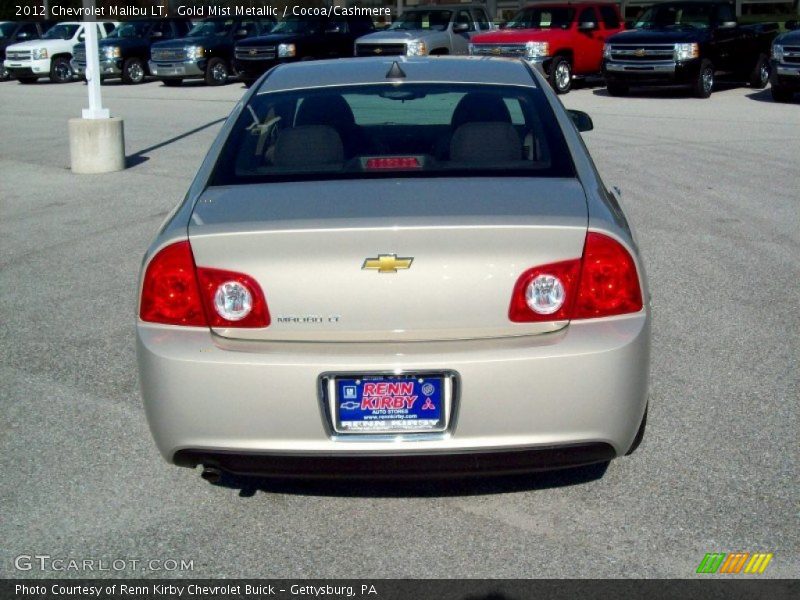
(310, 146)
(489, 143)
(480, 106)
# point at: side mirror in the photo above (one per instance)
(583, 122)
(727, 25)
(587, 26)
(81, 37)
(460, 27)
(791, 25)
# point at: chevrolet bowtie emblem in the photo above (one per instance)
(387, 263)
(639, 52)
(378, 50)
(253, 51)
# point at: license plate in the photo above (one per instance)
(170, 71)
(390, 404)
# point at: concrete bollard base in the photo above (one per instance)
(96, 145)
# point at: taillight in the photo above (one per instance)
(170, 293)
(232, 299)
(609, 280)
(175, 292)
(603, 283)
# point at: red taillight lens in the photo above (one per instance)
(393, 162)
(232, 299)
(609, 283)
(170, 293)
(603, 283)
(565, 273)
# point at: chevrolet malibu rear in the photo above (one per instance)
(395, 269)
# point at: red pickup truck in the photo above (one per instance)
(565, 41)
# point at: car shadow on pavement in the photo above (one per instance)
(661, 92)
(766, 96)
(425, 488)
(138, 158)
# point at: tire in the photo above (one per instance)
(133, 72)
(781, 94)
(759, 78)
(639, 435)
(217, 72)
(4, 74)
(617, 89)
(172, 82)
(61, 71)
(27, 80)
(704, 84)
(560, 76)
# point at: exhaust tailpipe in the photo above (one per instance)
(211, 474)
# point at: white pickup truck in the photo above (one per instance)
(50, 56)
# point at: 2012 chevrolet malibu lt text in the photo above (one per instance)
(395, 268)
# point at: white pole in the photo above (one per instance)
(95, 110)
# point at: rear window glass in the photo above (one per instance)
(412, 130)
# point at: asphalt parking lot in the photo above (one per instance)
(712, 189)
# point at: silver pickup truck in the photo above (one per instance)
(440, 29)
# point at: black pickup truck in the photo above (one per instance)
(126, 52)
(785, 72)
(688, 43)
(300, 39)
(206, 52)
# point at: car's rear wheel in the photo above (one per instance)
(61, 70)
(172, 82)
(217, 72)
(639, 435)
(704, 84)
(781, 94)
(27, 80)
(560, 75)
(133, 71)
(617, 89)
(760, 75)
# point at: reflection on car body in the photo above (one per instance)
(491, 307)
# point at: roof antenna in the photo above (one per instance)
(395, 72)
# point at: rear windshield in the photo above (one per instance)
(411, 130)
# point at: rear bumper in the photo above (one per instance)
(178, 70)
(382, 466)
(209, 397)
(651, 73)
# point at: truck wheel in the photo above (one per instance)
(560, 76)
(172, 82)
(4, 74)
(216, 72)
(704, 84)
(27, 80)
(617, 89)
(760, 75)
(781, 94)
(61, 70)
(133, 71)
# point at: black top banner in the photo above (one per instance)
(121, 10)
(383, 589)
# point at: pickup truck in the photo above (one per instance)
(688, 43)
(564, 41)
(126, 52)
(13, 32)
(439, 29)
(785, 71)
(206, 52)
(299, 39)
(50, 56)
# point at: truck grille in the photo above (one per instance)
(18, 54)
(168, 54)
(791, 55)
(255, 52)
(79, 54)
(380, 49)
(513, 50)
(643, 52)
